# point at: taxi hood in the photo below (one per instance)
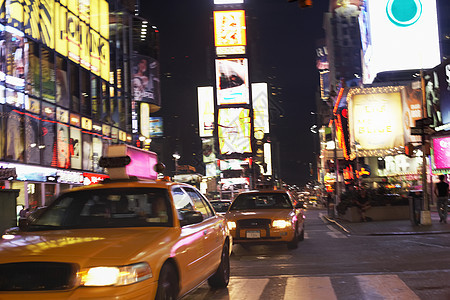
(84, 244)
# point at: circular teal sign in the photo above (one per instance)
(404, 13)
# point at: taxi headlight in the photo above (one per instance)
(231, 225)
(281, 224)
(107, 276)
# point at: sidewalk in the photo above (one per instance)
(395, 227)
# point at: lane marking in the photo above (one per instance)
(309, 288)
(385, 287)
(239, 288)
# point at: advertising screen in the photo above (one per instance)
(62, 146)
(229, 28)
(205, 111)
(260, 102)
(437, 94)
(156, 127)
(441, 153)
(75, 148)
(146, 79)
(412, 111)
(375, 117)
(209, 153)
(232, 81)
(234, 126)
(390, 36)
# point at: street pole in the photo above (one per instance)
(425, 216)
(337, 188)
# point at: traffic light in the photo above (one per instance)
(303, 3)
(409, 150)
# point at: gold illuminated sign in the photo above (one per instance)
(78, 29)
(229, 28)
(86, 123)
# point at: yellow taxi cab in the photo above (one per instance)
(266, 216)
(122, 239)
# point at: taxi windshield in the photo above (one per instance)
(261, 201)
(106, 208)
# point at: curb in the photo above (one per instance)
(343, 228)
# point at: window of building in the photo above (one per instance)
(85, 93)
(33, 76)
(48, 75)
(62, 86)
(74, 87)
(14, 135)
(95, 97)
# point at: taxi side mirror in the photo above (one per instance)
(190, 217)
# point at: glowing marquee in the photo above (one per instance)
(376, 118)
(78, 29)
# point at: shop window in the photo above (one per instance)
(85, 91)
(74, 87)
(62, 87)
(47, 142)
(50, 193)
(75, 148)
(34, 195)
(32, 152)
(87, 152)
(62, 146)
(48, 75)
(14, 135)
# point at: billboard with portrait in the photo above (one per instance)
(146, 87)
(234, 127)
(32, 154)
(232, 81)
(62, 146)
(375, 118)
(75, 147)
(390, 29)
(437, 94)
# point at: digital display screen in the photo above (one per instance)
(234, 127)
(232, 81)
(390, 32)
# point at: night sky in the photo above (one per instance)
(282, 52)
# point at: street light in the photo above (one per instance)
(176, 156)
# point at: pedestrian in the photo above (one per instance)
(363, 204)
(441, 192)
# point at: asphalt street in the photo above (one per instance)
(333, 264)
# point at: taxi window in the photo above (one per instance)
(101, 208)
(199, 202)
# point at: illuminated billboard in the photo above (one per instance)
(205, 111)
(260, 103)
(437, 95)
(375, 118)
(389, 35)
(230, 32)
(156, 127)
(441, 153)
(234, 127)
(146, 86)
(232, 81)
(75, 29)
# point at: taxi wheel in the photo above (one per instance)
(167, 283)
(301, 237)
(221, 278)
(294, 243)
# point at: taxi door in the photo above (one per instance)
(189, 250)
(212, 230)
